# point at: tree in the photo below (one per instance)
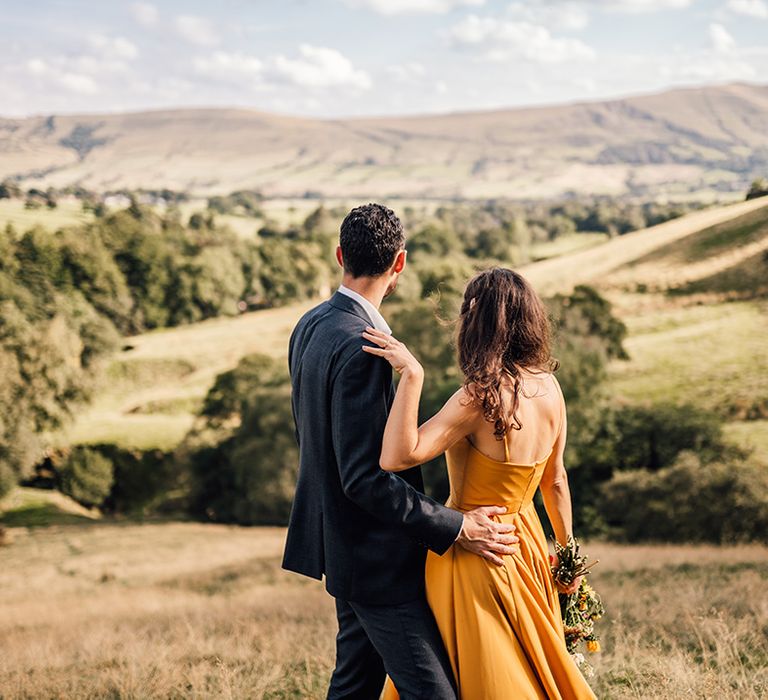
(693, 500)
(86, 476)
(759, 188)
(423, 326)
(433, 241)
(10, 190)
(245, 461)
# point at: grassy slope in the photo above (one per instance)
(39, 508)
(152, 390)
(712, 356)
(595, 264)
(192, 610)
(67, 213)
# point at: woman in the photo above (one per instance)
(503, 433)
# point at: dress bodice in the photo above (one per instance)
(477, 480)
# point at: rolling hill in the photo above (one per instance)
(157, 382)
(704, 142)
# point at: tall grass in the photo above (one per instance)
(204, 611)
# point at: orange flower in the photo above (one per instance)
(593, 646)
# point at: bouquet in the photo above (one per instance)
(580, 610)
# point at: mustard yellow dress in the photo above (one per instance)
(501, 625)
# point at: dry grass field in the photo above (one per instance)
(182, 610)
(68, 213)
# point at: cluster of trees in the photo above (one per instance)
(51, 343)
(35, 197)
(241, 203)
(505, 230)
(67, 296)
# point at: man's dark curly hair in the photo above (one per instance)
(371, 237)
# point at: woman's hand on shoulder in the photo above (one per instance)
(393, 351)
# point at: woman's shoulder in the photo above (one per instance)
(463, 400)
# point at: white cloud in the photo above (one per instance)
(710, 68)
(644, 5)
(104, 61)
(401, 7)
(58, 76)
(411, 72)
(196, 30)
(235, 66)
(112, 48)
(145, 13)
(37, 66)
(750, 8)
(721, 40)
(75, 82)
(566, 15)
(313, 67)
(319, 67)
(506, 40)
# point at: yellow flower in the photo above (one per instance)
(593, 646)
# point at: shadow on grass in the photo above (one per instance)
(42, 515)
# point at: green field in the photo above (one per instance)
(155, 385)
(563, 245)
(711, 356)
(68, 212)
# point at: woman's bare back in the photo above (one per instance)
(539, 412)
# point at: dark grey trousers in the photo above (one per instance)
(399, 640)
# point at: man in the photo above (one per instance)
(365, 529)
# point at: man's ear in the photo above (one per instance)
(339, 257)
(399, 263)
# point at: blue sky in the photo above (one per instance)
(334, 58)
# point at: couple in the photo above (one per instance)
(483, 622)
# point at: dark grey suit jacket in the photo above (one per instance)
(366, 529)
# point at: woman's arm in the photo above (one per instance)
(557, 495)
(405, 444)
(555, 491)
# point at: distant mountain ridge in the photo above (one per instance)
(681, 143)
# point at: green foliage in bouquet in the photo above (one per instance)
(580, 612)
(581, 609)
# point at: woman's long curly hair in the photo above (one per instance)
(503, 329)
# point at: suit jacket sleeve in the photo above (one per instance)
(359, 410)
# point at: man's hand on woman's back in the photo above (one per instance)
(486, 537)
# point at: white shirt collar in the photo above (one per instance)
(376, 318)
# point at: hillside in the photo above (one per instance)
(701, 142)
(157, 382)
(615, 259)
